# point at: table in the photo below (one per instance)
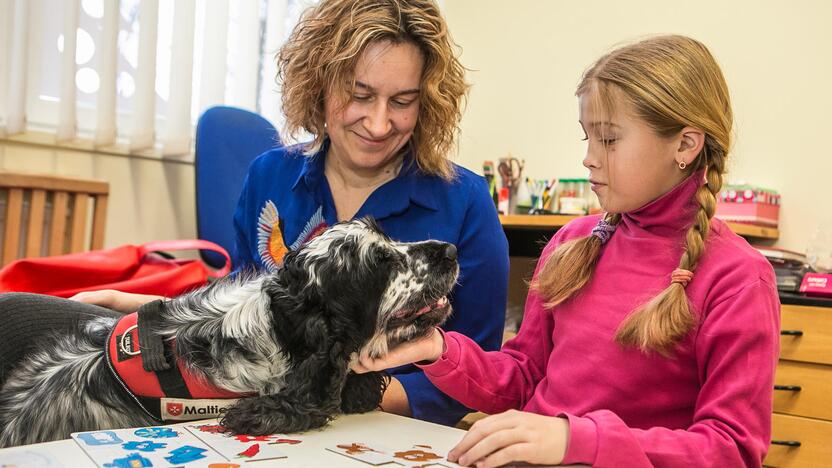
(385, 429)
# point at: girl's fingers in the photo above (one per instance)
(491, 443)
(512, 453)
(358, 368)
(406, 353)
(367, 364)
(480, 430)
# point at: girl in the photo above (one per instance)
(651, 333)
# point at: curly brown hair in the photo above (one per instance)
(321, 54)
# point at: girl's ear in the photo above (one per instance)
(690, 145)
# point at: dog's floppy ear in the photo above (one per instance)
(298, 302)
(310, 397)
(318, 363)
(306, 320)
(292, 276)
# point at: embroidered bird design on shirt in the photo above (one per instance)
(271, 245)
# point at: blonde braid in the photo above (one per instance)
(667, 318)
(570, 266)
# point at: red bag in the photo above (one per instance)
(129, 268)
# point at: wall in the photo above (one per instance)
(527, 56)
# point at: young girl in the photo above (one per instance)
(650, 334)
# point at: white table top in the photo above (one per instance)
(377, 427)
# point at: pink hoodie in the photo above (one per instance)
(708, 405)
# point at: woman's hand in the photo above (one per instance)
(115, 300)
(513, 436)
(429, 348)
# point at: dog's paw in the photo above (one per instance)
(271, 415)
(253, 416)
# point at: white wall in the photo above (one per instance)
(527, 56)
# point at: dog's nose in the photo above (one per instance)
(450, 252)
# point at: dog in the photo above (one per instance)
(279, 343)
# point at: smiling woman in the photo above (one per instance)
(369, 129)
(379, 87)
(320, 60)
(380, 116)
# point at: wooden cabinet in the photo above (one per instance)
(802, 423)
(806, 334)
(815, 438)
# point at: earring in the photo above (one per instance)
(682, 165)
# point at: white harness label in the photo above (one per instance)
(178, 409)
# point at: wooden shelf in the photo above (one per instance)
(753, 230)
(535, 221)
(556, 221)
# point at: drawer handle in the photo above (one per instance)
(791, 332)
(788, 388)
(787, 443)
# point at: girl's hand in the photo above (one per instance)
(115, 300)
(513, 436)
(429, 348)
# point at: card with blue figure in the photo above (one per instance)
(146, 447)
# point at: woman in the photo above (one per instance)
(377, 85)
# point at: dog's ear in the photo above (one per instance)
(299, 328)
(296, 307)
(304, 313)
(311, 394)
(292, 276)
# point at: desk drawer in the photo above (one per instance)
(814, 397)
(814, 436)
(806, 334)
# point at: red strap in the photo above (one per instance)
(190, 244)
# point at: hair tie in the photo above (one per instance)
(681, 276)
(603, 230)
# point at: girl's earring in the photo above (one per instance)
(682, 165)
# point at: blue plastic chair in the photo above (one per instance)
(227, 140)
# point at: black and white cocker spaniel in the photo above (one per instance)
(266, 353)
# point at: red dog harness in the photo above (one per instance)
(154, 377)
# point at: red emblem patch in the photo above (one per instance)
(175, 409)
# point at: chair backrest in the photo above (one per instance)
(227, 140)
(49, 215)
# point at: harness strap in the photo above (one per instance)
(171, 379)
(157, 355)
(152, 345)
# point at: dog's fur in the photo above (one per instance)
(287, 337)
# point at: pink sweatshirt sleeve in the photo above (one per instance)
(736, 349)
(493, 382)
